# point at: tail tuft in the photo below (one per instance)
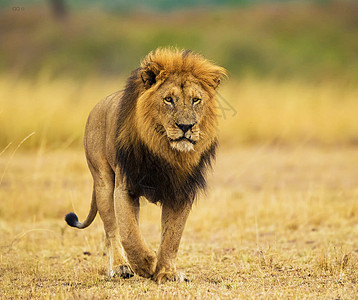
(72, 220)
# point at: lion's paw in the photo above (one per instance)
(122, 271)
(145, 266)
(164, 275)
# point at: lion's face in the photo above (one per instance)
(175, 110)
(181, 105)
(178, 112)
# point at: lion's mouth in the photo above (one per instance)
(182, 144)
(183, 138)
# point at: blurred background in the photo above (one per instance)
(293, 65)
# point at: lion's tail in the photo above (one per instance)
(72, 219)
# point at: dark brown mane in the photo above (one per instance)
(146, 173)
(175, 178)
(150, 176)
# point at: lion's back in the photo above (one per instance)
(100, 129)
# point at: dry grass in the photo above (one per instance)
(278, 222)
(285, 112)
(56, 110)
(290, 111)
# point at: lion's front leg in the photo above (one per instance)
(141, 258)
(173, 223)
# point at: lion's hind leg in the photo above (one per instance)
(116, 262)
(142, 259)
(116, 258)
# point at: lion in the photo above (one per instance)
(155, 139)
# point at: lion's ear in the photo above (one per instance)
(149, 75)
(148, 78)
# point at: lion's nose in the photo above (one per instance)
(185, 127)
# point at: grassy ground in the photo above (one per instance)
(278, 222)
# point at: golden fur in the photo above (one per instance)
(155, 139)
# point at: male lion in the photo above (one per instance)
(155, 139)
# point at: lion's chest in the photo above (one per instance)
(152, 177)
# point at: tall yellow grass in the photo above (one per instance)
(257, 111)
(291, 112)
(56, 110)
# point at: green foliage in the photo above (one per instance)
(287, 40)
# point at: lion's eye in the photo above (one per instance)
(196, 100)
(168, 100)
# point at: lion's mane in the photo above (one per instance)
(153, 169)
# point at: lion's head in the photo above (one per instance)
(177, 105)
